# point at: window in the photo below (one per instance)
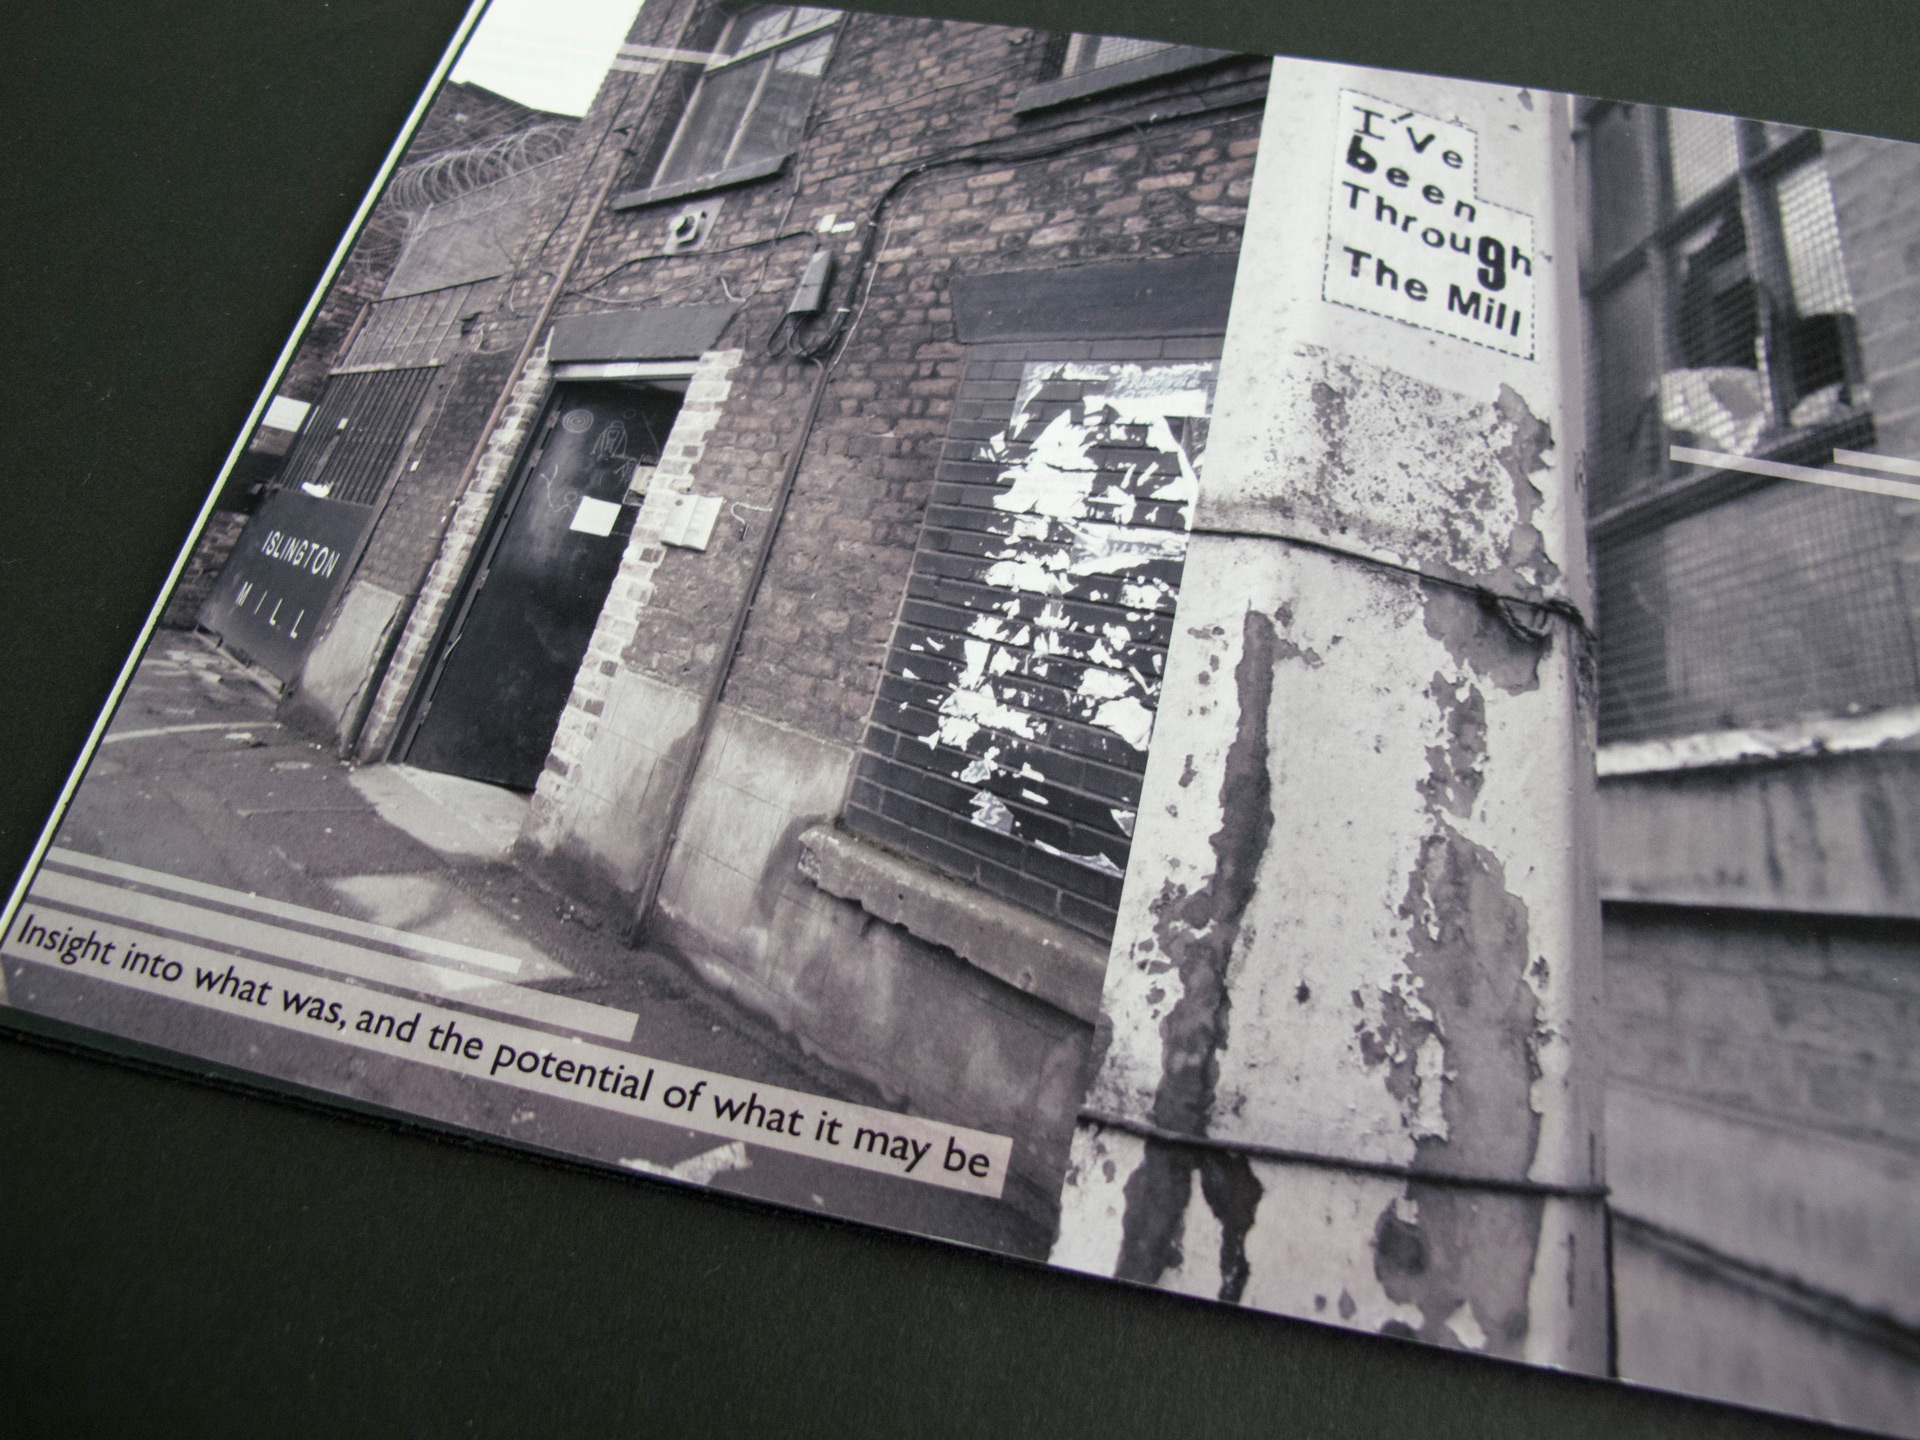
(1093, 64)
(1719, 304)
(1095, 52)
(753, 98)
(1720, 323)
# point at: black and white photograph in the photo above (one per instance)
(1287, 682)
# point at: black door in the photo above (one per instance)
(506, 667)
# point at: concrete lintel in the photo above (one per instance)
(1036, 956)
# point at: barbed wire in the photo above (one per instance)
(454, 173)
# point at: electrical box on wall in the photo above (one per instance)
(811, 293)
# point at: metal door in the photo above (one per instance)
(505, 669)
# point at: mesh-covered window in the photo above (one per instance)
(753, 100)
(1784, 602)
(1703, 150)
(416, 330)
(1741, 590)
(1718, 300)
(353, 435)
(1097, 52)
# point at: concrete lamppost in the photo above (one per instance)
(1349, 1068)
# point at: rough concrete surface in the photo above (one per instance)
(198, 780)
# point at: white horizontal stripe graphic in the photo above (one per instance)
(1839, 480)
(136, 911)
(59, 859)
(115, 737)
(1892, 464)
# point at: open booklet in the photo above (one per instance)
(1290, 682)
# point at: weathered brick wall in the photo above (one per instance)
(896, 92)
(203, 568)
(461, 115)
(437, 510)
(628, 598)
(1793, 1018)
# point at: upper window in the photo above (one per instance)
(1094, 64)
(1719, 301)
(1744, 579)
(1095, 52)
(752, 101)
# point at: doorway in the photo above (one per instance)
(503, 672)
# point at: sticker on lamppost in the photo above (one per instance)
(1409, 237)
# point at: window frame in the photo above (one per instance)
(1672, 489)
(1070, 85)
(1633, 503)
(719, 62)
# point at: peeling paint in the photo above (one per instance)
(1896, 728)
(1463, 1262)
(1477, 637)
(1099, 468)
(1452, 495)
(1467, 962)
(1199, 931)
(991, 813)
(1399, 997)
(1095, 861)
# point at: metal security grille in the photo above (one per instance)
(1719, 322)
(1781, 604)
(354, 433)
(415, 330)
(1011, 729)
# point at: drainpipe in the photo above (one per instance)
(696, 746)
(1350, 1069)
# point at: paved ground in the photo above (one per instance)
(196, 779)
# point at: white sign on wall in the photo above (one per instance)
(1409, 238)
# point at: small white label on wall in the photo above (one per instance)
(285, 414)
(595, 517)
(689, 520)
(1409, 238)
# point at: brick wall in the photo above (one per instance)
(437, 509)
(461, 115)
(454, 548)
(629, 596)
(895, 92)
(203, 568)
(1795, 1018)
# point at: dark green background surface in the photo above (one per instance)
(179, 1257)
